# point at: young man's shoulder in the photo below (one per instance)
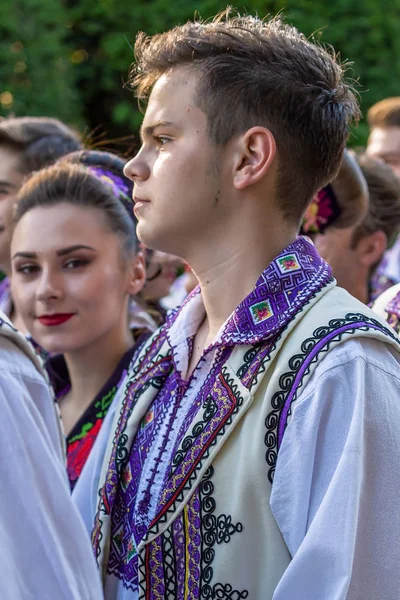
(366, 359)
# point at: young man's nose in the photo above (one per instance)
(137, 169)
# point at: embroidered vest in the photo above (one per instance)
(214, 535)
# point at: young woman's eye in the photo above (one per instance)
(27, 269)
(75, 263)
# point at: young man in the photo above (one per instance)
(46, 552)
(251, 454)
(27, 144)
(354, 252)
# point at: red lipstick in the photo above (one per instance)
(53, 320)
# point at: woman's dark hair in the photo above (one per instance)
(40, 140)
(76, 185)
(109, 168)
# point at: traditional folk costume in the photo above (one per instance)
(46, 553)
(262, 475)
(83, 435)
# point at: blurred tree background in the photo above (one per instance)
(70, 58)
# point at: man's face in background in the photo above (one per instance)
(384, 144)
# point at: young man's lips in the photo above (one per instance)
(53, 320)
(139, 200)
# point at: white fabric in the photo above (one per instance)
(343, 440)
(342, 443)
(45, 550)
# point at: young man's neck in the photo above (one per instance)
(229, 271)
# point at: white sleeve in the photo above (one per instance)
(46, 553)
(336, 488)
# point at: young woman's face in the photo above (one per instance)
(70, 281)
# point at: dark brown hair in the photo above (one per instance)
(41, 140)
(385, 113)
(384, 200)
(75, 185)
(255, 72)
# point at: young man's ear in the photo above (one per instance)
(255, 152)
(137, 275)
(371, 248)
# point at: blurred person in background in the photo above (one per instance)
(75, 267)
(355, 251)
(384, 145)
(342, 203)
(160, 293)
(384, 137)
(27, 144)
(46, 553)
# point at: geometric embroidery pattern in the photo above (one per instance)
(285, 286)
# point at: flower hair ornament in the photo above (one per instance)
(323, 210)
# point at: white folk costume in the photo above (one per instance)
(196, 494)
(45, 549)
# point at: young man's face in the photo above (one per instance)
(384, 144)
(178, 195)
(11, 179)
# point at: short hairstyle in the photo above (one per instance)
(384, 200)
(76, 185)
(385, 113)
(261, 72)
(41, 140)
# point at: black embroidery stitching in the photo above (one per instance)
(295, 362)
(215, 530)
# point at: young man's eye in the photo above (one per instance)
(162, 140)
(75, 263)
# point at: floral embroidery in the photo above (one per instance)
(261, 311)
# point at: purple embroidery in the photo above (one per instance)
(281, 291)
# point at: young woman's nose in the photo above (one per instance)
(49, 285)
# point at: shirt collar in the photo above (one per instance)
(285, 286)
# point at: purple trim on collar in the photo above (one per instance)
(283, 289)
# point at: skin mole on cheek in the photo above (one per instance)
(216, 197)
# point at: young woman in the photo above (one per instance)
(75, 267)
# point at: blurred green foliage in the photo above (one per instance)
(70, 58)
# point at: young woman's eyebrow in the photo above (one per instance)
(61, 252)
